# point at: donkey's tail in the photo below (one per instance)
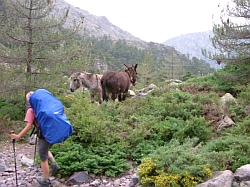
(104, 91)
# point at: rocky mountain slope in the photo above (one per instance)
(98, 26)
(95, 25)
(192, 44)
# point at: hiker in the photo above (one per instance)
(43, 146)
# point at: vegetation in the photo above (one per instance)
(155, 66)
(171, 134)
(37, 51)
(33, 45)
(231, 38)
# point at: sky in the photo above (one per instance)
(155, 20)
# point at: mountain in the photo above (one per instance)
(109, 44)
(95, 25)
(192, 44)
(98, 26)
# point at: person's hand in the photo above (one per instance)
(14, 136)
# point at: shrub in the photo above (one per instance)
(174, 165)
(228, 152)
(12, 109)
(104, 159)
(67, 100)
(195, 127)
(167, 127)
(243, 127)
(243, 94)
(237, 112)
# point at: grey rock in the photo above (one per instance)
(78, 178)
(220, 179)
(242, 173)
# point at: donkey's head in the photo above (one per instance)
(131, 71)
(74, 81)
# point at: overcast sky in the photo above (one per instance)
(155, 20)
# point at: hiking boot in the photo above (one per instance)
(44, 182)
(55, 169)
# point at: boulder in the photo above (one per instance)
(227, 98)
(219, 179)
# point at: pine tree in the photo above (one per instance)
(35, 48)
(232, 38)
(147, 66)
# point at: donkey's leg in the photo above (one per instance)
(99, 95)
(106, 96)
(120, 97)
(124, 96)
(113, 96)
(92, 98)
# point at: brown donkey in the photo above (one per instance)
(118, 83)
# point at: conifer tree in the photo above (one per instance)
(147, 66)
(232, 39)
(35, 48)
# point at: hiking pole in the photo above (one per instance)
(35, 151)
(13, 142)
(34, 133)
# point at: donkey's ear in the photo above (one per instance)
(135, 67)
(125, 65)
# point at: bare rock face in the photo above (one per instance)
(220, 179)
(95, 25)
(242, 173)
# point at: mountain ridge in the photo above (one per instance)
(192, 44)
(95, 25)
(98, 26)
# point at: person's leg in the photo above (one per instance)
(45, 168)
(43, 149)
(50, 157)
(55, 167)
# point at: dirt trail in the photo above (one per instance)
(21, 148)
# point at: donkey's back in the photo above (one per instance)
(118, 83)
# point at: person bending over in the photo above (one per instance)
(43, 147)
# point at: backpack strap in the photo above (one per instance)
(36, 125)
(33, 131)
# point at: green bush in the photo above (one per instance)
(242, 128)
(141, 149)
(195, 127)
(215, 82)
(237, 112)
(12, 109)
(67, 100)
(243, 94)
(205, 99)
(174, 164)
(228, 152)
(167, 129)
(103, 160)
(158, 127)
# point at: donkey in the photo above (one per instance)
(88, 80)
(118, 83)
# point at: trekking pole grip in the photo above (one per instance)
(12, 132)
